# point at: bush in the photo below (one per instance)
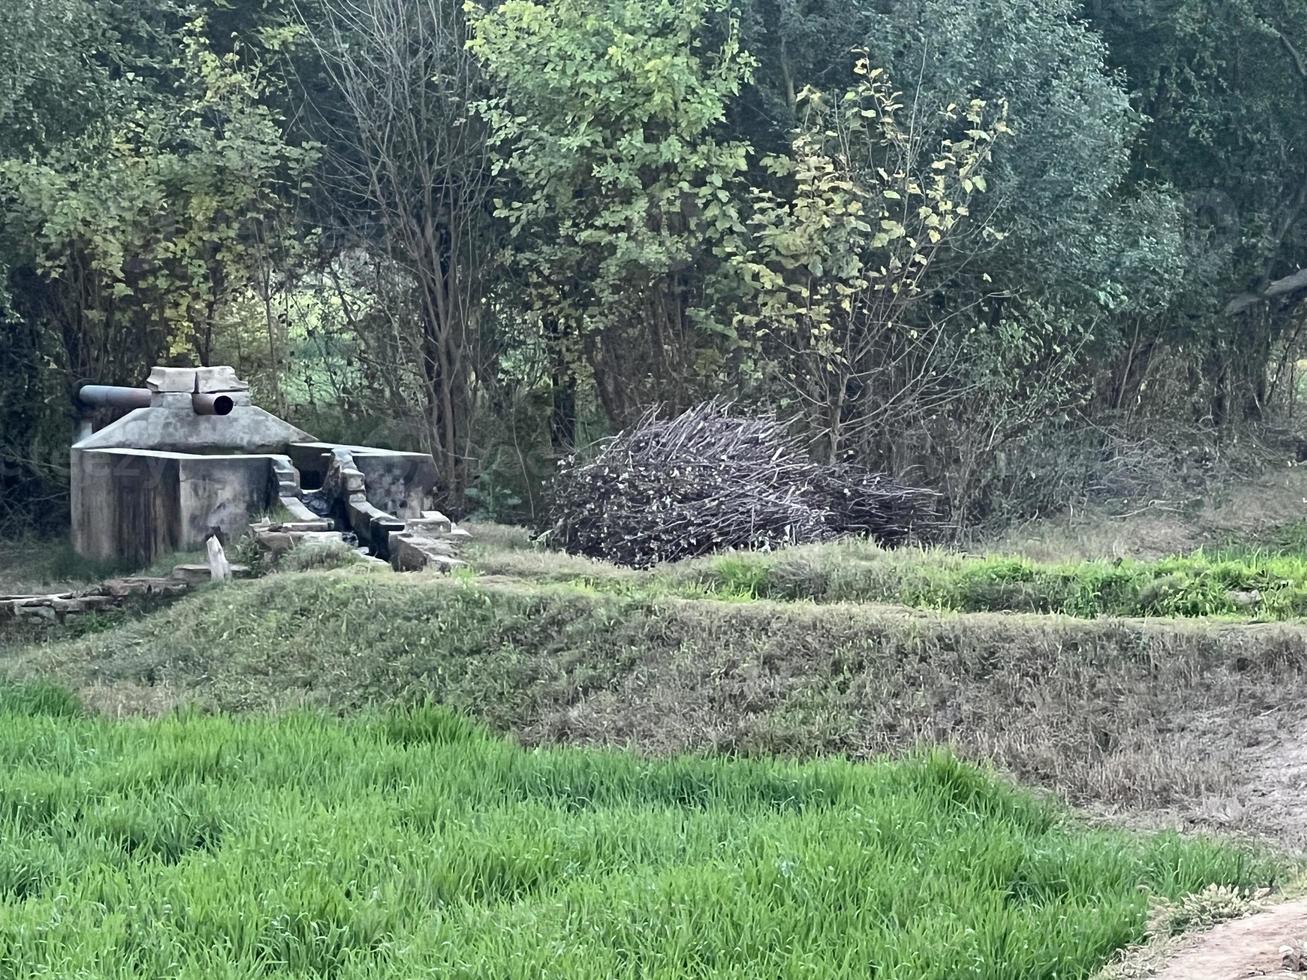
(319, 554)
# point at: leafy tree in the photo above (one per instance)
(1223, 86)
(836, 263)
(620, 184)
(128, 220)
(144, 223)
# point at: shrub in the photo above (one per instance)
(319, 554)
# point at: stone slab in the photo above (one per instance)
(248, 429)
(194, 574)
(171, 379)
(211, 380)
(299, 512)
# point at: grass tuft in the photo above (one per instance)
(431, 724)
(322, 554)
(37, 698)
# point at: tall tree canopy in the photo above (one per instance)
(968, 240)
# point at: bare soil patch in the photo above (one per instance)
(1251, 947)
(1276, 785)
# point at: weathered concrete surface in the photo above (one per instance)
(159, 478)
(204, 380)
(224, 492)
(432, 523)
(139, 504)
(277, 539)
(345, 490)
(399, 483)
(298, 512)
(171, 379)
(178, 429)
(286, 477)
(414, 552)
(209, 380)
(125, 503)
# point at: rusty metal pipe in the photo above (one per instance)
(212, 404)
(112, 396)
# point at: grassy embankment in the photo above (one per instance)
(411, 843)
(1136, 712)
(1267, 583)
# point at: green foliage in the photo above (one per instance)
(1265, 589)
(610, 124)
(853, 233)
(1222, 85)
(1061, 224)
(152, 215)
(833, 266)
(325, 554)
(140, 172)
(36, 565)
(223, 846)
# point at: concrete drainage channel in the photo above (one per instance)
(193, 455)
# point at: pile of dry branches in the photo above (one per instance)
(707, 481)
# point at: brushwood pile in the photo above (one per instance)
(711, 480)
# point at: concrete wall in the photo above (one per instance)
(399, 483)
(226, 492)
(139, 504)
(125, 503)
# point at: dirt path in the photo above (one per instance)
(1250, 947)
(1266, 804)
(1255, 947)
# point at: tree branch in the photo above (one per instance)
(1299, 63)
(1289, 284)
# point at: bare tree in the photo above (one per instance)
(408, 178)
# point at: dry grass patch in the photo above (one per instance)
(1126, 713)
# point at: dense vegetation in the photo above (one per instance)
(1016, 250)
(411, 842)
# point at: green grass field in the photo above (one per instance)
(412, 844)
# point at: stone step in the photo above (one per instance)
(194, 574)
